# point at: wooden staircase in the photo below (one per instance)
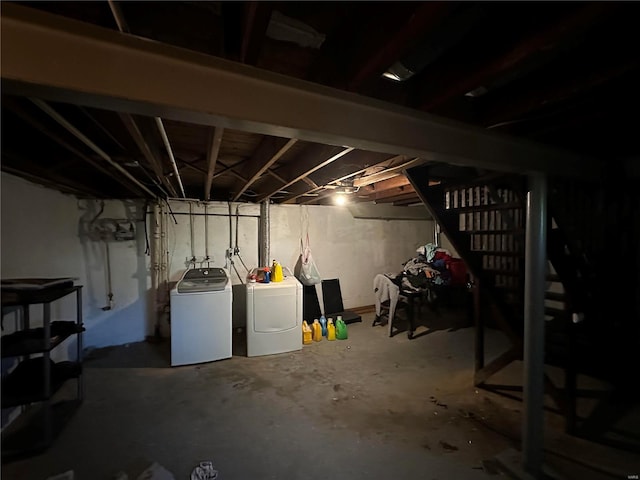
(484, 217)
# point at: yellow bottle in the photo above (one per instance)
(331, 330)
(306, 333)
(276, 272)
(317, 330)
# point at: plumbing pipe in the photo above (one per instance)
(206, 235)
(193, 253)
(263, 253)
(155, 267)
(109, 305)
(167, 145)
(80, 136)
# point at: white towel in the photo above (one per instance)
(384, 289)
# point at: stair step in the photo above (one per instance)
(486, 208)
(499, 253)
(559, 297)
(554, 312)
(503, 230)
(502, 272)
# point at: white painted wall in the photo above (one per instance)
(353, 250)
(44, 235)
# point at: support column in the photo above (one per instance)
(535, 262)
(265, 224)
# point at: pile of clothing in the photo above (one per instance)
(431, 266)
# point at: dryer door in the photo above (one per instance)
(275, 308)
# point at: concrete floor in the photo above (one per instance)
(370, 407)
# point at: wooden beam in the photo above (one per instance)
(398, 197)
(310, 160)
(464, 77)
(391, 43)
(390, 194)
(28, 169)
(392, 183)
(300, 190)
(12, 105)
(386, 174)
(254, 28)
(138, 138)
(215, 140)
(270, 150)
(512, 105)
(102, 68)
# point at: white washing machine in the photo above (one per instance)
(274, 317)
(201, 317)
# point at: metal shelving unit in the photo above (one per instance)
(33, 383)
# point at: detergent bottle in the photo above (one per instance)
(341, 329)
(276, 272)
(306, 333)
(331, 330)
(323, 324)
(317, 331)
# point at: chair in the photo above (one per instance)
(332, 301)
(310, 303)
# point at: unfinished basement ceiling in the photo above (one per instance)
(562, 74)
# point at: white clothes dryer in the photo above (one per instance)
(274, 317)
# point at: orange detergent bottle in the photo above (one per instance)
(306, 333)
(317, 330)
(331, 330)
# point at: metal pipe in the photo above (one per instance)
(155, 266)
(214, 214)
(206, 235)
(80, 136)
(535, 261)
(167, 145)
(191, 234)
(264, 254)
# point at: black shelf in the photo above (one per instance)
(28, 342)
(12, 297)
(25, 384)
(26, 436)
(34, 382)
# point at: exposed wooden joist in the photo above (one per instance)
(392, 183)
(12, 105)
(270, 150)
(397, 197)
(301, 191)
(254, 28)
(84, 139)
(461, 79)
(66, 60)
(156, 164)
(395, 43)
(393, 192)
(215, 140)
(311, 159)
(509, 106)
(30, 170)
(191, 166)
(386, 174)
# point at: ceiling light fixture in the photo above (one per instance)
(340, 199)
(398, 73)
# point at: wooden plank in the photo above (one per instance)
(271, 149)
(98, 67)
(482, 375)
